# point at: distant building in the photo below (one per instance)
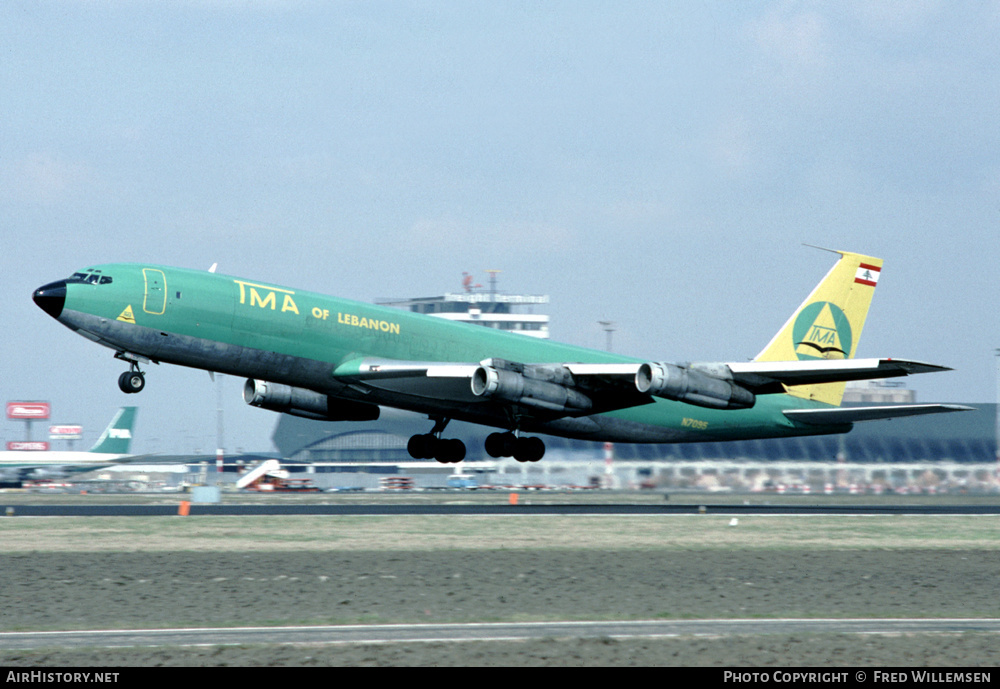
(879, 392)
(483, 306)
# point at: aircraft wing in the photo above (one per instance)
(578, 389)
(548, 391)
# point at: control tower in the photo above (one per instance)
(485, 306)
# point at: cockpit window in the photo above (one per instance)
(92, 277)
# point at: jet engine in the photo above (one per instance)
(305, 403)
(527, 387)
(715, 390)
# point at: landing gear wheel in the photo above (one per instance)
(433, 446)
(131, 382)
(495, 445)
(429, 446)
(529, 449)
(450, 451)
(501, 445)
(422, 446)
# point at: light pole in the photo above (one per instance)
(609, 447)
(996, 353)
(219, 451)
(609, 327)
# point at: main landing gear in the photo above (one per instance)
(509, 445)
(433, 446)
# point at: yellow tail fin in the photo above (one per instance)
(828, 323)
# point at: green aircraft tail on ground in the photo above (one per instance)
(117, 437)
(111, 448)
(327, 358)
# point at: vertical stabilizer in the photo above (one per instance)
(828, 323)
(117, 437)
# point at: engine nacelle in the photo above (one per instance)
(512, 386)
(305, 403)
(692, 386)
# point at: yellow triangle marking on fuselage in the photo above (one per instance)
(127, 316)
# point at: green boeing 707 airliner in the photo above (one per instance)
(332, 359)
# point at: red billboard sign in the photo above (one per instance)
(33, 445)
(27, 410)
(65, 432)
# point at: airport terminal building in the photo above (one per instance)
(489, 308)
(945, 452)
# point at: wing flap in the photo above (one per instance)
(597, 388)
(837, 415)
(387, 369)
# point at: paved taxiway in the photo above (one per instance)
(409, 509)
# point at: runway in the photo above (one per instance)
(471, 632)
(499, 509)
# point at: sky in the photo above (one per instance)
(659, 165)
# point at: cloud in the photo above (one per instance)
(730, 145)
(796, 39)
(497, 239)
(44, 178)
(891, 17)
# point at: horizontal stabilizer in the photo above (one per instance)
(767, 376)
(822, 417)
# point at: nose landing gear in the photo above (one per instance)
(133, 380)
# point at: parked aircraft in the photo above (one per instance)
(111, 447)
(328, 358)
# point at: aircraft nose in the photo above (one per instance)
(51, 297)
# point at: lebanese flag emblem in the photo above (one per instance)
(867, 274)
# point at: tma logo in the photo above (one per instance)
(822, 331)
